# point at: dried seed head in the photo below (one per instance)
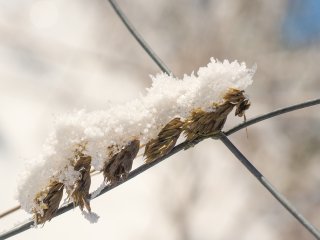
(80, 191)
(120, 164)
(239, 99)
(242, 107)
(234, 96)
(201, 123)
(166, 140)
(48, 202)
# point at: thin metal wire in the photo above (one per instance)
(141, 169)
(9, 211)
(284, 202)
(232, 130)
(28, 224)
(139, 38)
(273, 114)
(250, 167)
(16, 208)
(186, 145)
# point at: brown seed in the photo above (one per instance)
(165, 141)
(120, 164)
(80, 190)
(49, 201)
(202, 124)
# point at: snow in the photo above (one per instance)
(102, 133)
(91, 217)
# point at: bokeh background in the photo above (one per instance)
(57, 56)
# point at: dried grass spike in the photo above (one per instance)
(166, 140)
(120, 164)
(48, 201)
(202, 124)
(80, 191)
(239, 99)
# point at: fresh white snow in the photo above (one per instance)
(100, 133)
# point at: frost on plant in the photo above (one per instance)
(109, 140)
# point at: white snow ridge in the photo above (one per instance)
(100, 133)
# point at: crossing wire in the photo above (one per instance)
(185, 145)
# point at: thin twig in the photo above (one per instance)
(273, 114)
(139, 38)
(285, 203)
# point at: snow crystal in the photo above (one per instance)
(103, 132)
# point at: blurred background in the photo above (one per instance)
(57, 56)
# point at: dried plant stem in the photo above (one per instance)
(284, 202)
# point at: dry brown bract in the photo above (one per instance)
(202, 124)
(120, 164)
(48, 200)
(167, 138)
(199, 124)
(80, 191)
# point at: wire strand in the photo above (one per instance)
(139, 38)
(182, 146)
(226, 141)
(274, 192)
(186, 145)
(273, 114)
(9, 211)
(176, 149)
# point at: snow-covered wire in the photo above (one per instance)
(188, 144)
(232, 148)
(182, 146)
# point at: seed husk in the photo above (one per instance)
(165, 141)
(80, 191)
(48, 200)
(202, 123)
(120, 164)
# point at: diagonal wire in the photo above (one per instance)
(284, 202)
(273, 114)
(234, 129)
(180, 147)
(231, 131)
(18, 207)
(28, 224)
(186, 145)
(139, 38)
(9, 211)
(238, 154)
